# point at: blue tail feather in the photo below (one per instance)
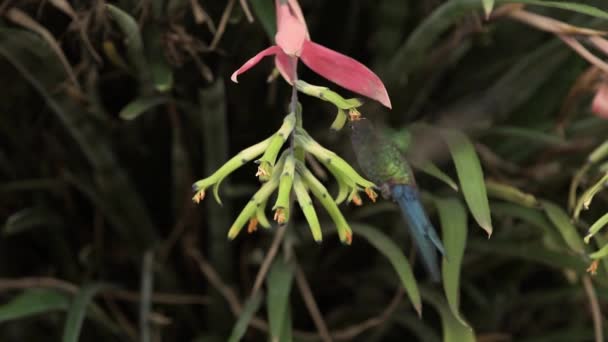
(422, 230)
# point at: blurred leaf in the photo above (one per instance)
(264, 10)
(287, 329)
(29, 218)
(488, 6)
(400, 263)
(510, 194)
(432, 170)
(141, 105)
(162, 74)
(570, 6)
(78, 310)
(531, 251)
(33, 302)
(278, 282)
(453, 329)
(133, 40)
(602, 253)
(561, 221)
(470, 176)
(415, 49)
(596, 227)
(599, 153)
(453, 217)
(585, 200)
(534, 217)
(250, 308)
(531, 135)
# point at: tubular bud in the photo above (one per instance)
(265, 169)
(308, 209)
(230, 166)
(285, 185)
(251, 209)
(328, 95)
(320, 192)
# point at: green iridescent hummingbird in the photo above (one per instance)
(384, 164)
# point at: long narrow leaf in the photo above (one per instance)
(561, 220)
(279, 281)
(77, 312)
(470, 176)
(390, 250)
(240, 328)
(453, 217)
(453, 329)
(33, 302)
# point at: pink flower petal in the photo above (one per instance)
(599, 106)
(291, 29)
(273, 50)
(286, 66)
(344, 71)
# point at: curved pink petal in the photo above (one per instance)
(599, 107)
(344, 71)
(291, 30)
(286, 65)
(273, 50)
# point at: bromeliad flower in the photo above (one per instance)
(293, 43)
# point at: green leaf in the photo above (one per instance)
(279, 281)
(561, 221)
(287, 330)
(488, 6)
(585, 200)
(453, 217)
(77, 312)
(141, 105)
(394, 255)
(570, 6)
(240, 328)
(531, 251)
(527, 134)
(596, 227)
(453, 329)
(510, 194)
(162, 75)
(33, 302)
(535, 217)
(470, 176)
(133, 40)
(29, 218)
(432, 170)
(264, 10)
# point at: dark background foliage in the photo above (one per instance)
(86, 194)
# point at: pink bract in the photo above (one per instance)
(293, 42)
(599, 107)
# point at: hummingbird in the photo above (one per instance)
(385, 165)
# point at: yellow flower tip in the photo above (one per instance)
(354, 114)
(198, 197)
(592, 269)
(356, 199)
(263, 172)
(371, 194)
(253, 225)
(233, 232)
(279, 215)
